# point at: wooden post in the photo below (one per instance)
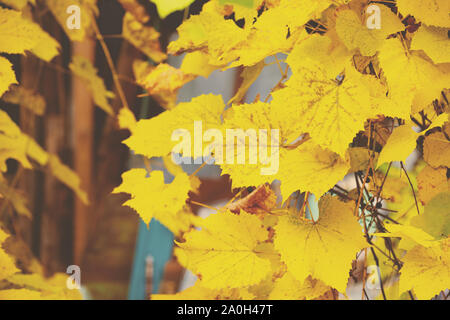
(83, 132)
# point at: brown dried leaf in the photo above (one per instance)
(260, 201)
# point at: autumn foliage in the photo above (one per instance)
(351, 103)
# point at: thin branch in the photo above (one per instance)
(111, 64)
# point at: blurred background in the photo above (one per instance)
(119, 256)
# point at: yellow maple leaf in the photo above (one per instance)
(211, 33)
(196, 63)
(352, 30)
(153, 137)
(410, 77)
(436, 150)
(431, 182)
(269, 34)
(143, 37)
(332, 111)
(308, 167)
(289, 288)
(163, 83)
(18, 34)
(166, 7)
(223, 254)
(152, 198)
(400, 145)
(436, 218)
(425, 269)
(323, 249)
(7, 75)
(434, 41)
(430, 12)
(333, 57)
(411, 236)
(359, 158)
(84, 69)
(311, 168)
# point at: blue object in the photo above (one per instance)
(156, 241)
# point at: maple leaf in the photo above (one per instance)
(7, 75)
(330, 55)
(211, 33)
(332, 111)
(310, 168)
(196, 63)
(224, 252)
(267, 36)
(163, 83)
(152, 198)
(425, 269)
(323, 249)
(431, 182)
(434, 41)
(436, 150)
(410, 77)
(152, 137)
(359, 158)
(18, 35)
(307, 167)
(353, 32)
(143, 37)
(400, 145)
(430, 12)
(84, 69)
(411, 236)
(436, 218)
